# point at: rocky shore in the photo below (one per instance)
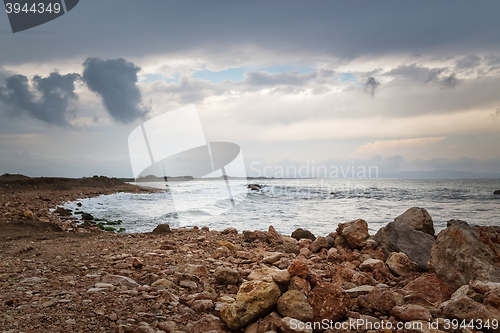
(403, 279)
(32, 199)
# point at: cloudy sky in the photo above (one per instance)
(405, 86)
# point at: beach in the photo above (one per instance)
(58, 277)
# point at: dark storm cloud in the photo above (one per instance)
(371, 85)
(50, 102)
(115, 80)
(321, 28)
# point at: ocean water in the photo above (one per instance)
(318, 205)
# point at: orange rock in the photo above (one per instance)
(329, 301)
(298, 268)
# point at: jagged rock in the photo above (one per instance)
(294, 304)
(430, 288)
(354, 232)
(301, 233)
(464, 253)
(417, 219)
(397, 237)
(254, 299)
(411, 312)
(226, 275)
(162, 229)
(400, 264)
(329, 301)
(273, 237)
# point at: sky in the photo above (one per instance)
(411, 88)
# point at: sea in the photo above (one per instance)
(317, 205)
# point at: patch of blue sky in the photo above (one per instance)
(347, 77)
(238, 74)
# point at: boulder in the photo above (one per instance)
(463, 253)
(318, 244)
(400, 264)
(162, 229)
(251, 236)
(496, 192)
(411, 312)
(329, 301)
(226, 275)
(294, 304)
(430, 288)
(417, 219)
(254, 300)
(300, 233)
(397, 237)
(354, 232)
